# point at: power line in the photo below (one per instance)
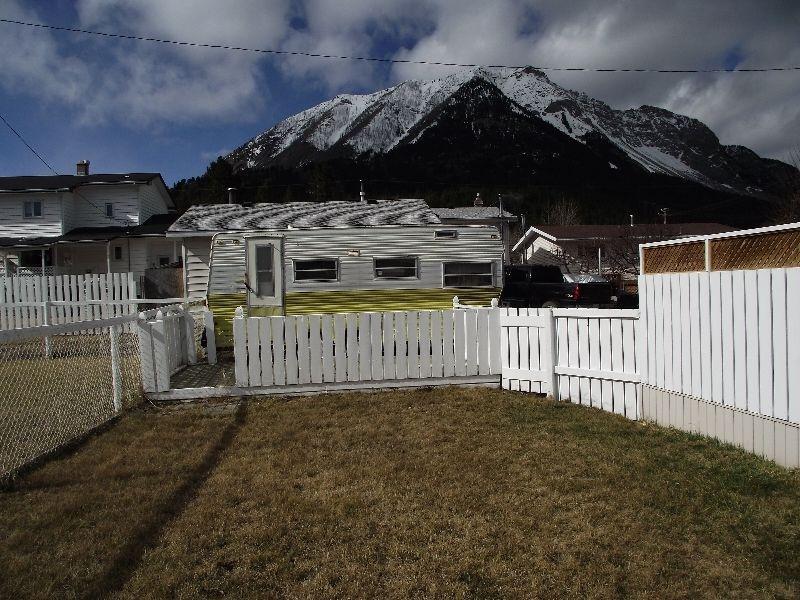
(388, 60)
(125, 222)
(22, 139)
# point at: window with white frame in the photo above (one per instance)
(401, 267)
(110, 210)
(32, 209)
(467, 274)
(316, 269)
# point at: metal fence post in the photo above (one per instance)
(240, 348)
(552, 353)
(116, 368)
(211, 338)
(48, 343)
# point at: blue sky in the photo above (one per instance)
(136, 106)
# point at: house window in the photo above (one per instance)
(32, 209)
(318, 269)
(110, 210)
(396, 268)
(163, 261)
(467, 274)
(117, 252)
(445, 234)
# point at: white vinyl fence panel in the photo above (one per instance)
(586, 356)
(31, 301)
(727, 337)
(365, 347)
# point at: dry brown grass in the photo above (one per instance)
(449, 492)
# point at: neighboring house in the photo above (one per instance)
(76, 224)
(478, 214)
(327, 257)
(607, 249)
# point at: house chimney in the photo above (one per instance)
(478, 199)
(361, 195)
(231, 195)
(82, 168)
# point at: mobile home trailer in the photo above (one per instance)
(303, 257)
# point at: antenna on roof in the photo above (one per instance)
(361, 195)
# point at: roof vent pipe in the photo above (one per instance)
(231, 195)
(631, 216)
(82, 167)
(362, 196)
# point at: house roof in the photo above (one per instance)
(154, 226)
(644, 232)
(472, 213)
(29, 183)
(303, 215)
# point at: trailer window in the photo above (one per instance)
(265, 279)
(319, 269)
(396, 268)
(467, 274)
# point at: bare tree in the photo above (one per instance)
(564, 211)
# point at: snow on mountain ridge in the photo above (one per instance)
(369, 124)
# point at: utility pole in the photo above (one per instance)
(502, 228)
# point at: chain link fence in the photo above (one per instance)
(57, 388)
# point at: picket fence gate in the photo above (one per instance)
(370, 349)
(585, 356)
(30, 301)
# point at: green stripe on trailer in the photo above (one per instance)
(323, 302)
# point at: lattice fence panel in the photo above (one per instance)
(765, 251)
(679, 258)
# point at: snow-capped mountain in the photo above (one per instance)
(536, 126)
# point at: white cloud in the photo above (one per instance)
(138, 83)
(760, 111)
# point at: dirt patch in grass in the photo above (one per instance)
(472, 493)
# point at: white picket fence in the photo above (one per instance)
(585, 356)
(30, 301)
(402, 348)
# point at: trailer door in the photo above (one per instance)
(264, 271)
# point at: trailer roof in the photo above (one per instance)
(303, 215)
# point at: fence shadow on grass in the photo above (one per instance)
(130, 555)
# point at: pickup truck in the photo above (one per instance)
(532, 286)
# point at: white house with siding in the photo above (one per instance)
(85, 223)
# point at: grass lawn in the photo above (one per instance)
(449, 492)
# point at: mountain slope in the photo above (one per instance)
(538, 129)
